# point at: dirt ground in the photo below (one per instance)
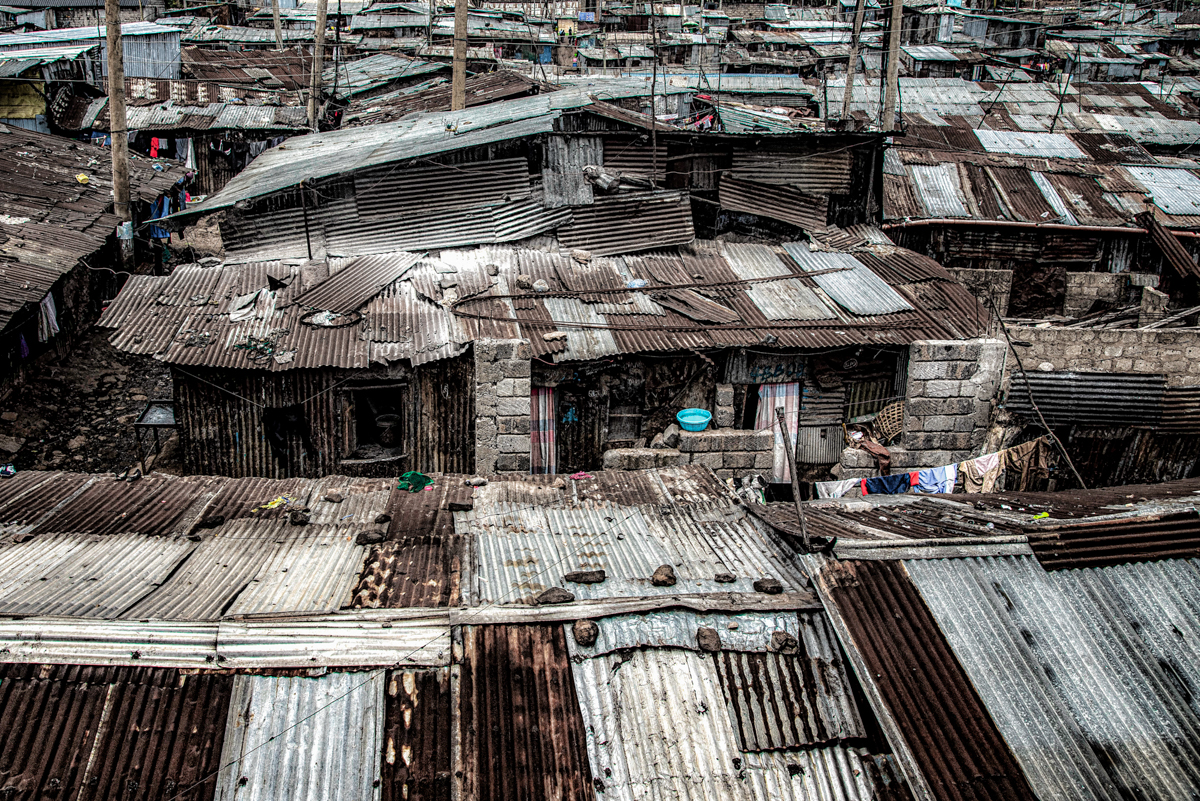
(78, 414)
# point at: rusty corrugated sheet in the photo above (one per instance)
(1103, 543)
(911, 671)
(819, 173)
(386, 193)
(150, 506)
(521, 728)
(109, 732)
(1173, 251)
(357, 282)
(1090, 399)
(422, 570)
(801, 209)
(630, 223)
(779, 701)
(417, 722)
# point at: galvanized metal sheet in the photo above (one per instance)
(587, 331)
(1026, 143)
(357, 282)
(315, 574)
(939, 188)
(1174, 191)
(51, 640)
(749, 631)
(854, 286)
(303, 738)
(659, 730)
(1054, 199)
(521, 551)
(88, 576)
(1087, 672)
(348, 640)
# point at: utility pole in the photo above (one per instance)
(314, 90)
(859, 14)
(892, 91)
(117, 126)
(278, 25)
(458, 80)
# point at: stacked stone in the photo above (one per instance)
(730, 453)
(1159, 351)
(502, 397)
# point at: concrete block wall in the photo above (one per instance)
(1175, 354)
(950, 390)
(730, 452)
(1153, 307)
(502, 390)
(1084, 289)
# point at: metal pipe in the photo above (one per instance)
(787, 441)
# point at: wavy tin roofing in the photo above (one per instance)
(1088, 673)
(939, 189)
(57, 640)
(356, 282)
(522, 732)
(948, 745)
(107, 733)
(418, 717)
(332, 750)
(521, 551)
(1174, 191)
(856, 288)
(660, 730)
(389, 638)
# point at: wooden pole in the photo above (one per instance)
(314, 90)
(859, 14)
(458, 85)
(787, 442)
(279, 26)
(892, 92)
(117, 125)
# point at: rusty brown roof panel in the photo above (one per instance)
(1021, 195)
(1106, 543)
(413, 571)
(521, 727)
(926, 692)
(417, 720)
(357, 282)
(110, 732)
(1071, 504)
(40, 499)
(21, 483)
(801, 209)
(249, 497)
(630, 223)
(150, 506)
(288, 67)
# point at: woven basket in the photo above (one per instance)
(889, 422)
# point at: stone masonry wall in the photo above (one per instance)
(1175, 354)
(951, 386)
(730, 452)
(502, 391)
(1084, 289)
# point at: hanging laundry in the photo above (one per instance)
(896, 484)
(787, 395)
(980, 475)
(836, 489)
(47, 319)
(937, 480)
(1026, 466)
(24, 346)
(154, 147)
(881, 455)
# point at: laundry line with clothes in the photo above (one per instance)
(1019, 468)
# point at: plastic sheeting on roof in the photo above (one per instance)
(1086, 672)
(854, 286)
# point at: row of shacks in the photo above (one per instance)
(184, 637)
(364, 266)
(58, 242)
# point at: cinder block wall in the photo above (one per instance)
(502, 390)
(1175, 354)
(950, 389)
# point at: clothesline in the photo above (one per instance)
(1025, 464)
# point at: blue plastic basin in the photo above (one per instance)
(694, 419)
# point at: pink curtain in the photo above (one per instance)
(788, 396)
(541, 430)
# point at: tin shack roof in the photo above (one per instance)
(49, 218)
(387, 307)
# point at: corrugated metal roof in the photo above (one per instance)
(947, 745)
(629, 223)
(1174, 191)
(522, 732)
(57, 640)
(939, 188)
(1101, 399)
(659, 728)
(854, 286)
(108, 733)
(806, 211)
(1054, 199)
(1024, 143)
(376, 70)
(332, 748)
(11, 41)
(521, 551)
(1090, 674)
(346, 640)
(356, 282)
(928, 53)
(419, 716)
(316, 574)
